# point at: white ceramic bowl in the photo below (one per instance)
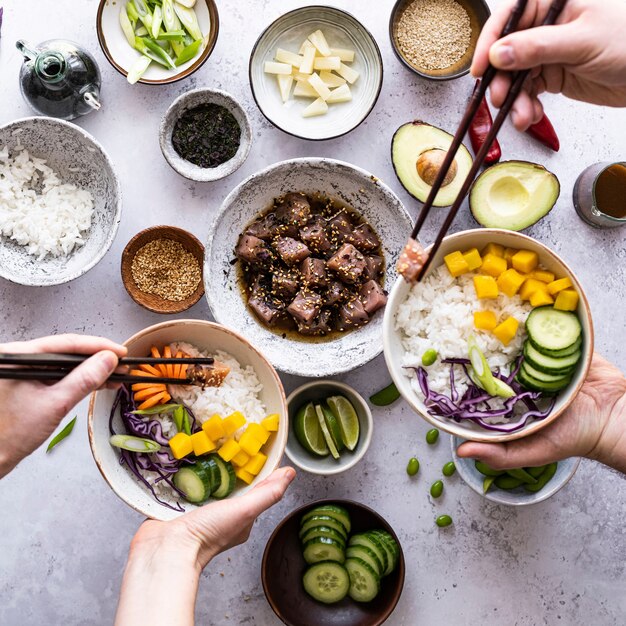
(393, 338)
(206, 336)
(342, 30)
(514, 497)
(190, 100)
(79, 159)
(347, 183)
(316, 391)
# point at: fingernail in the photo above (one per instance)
(505, 56)
(108, 359)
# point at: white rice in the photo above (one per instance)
(37, 210)
(438, 314)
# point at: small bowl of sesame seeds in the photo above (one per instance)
(436, 39)
(162, 269)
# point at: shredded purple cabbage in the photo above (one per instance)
(474, 404)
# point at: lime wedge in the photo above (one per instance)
(308, 432)
(333, 428)
(348, 420)
(329, 440)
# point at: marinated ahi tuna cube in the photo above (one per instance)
(318, 326)
(294, 209)
(352, 314)
(348, 263)
(252, 250)
(306, 306)
(290, 250)
(314, 272)
(372, 297)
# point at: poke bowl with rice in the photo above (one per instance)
(496, 340)
(166, 448)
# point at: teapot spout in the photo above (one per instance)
(92, 99)
(26, 49)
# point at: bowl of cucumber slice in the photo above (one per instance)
(333, 562)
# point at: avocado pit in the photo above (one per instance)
(429, 163)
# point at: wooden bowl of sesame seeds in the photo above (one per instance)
(162, 269)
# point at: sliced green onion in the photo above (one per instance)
(189, 20)
(150, 49)
(66, 432)
(137, 70)
(155, 410)
(189, 52)
(186, 422)
(131, 11)
(179, 415)
(134, 444)
(142, 31)
(157, 19)
(170, 20)
(187, 3)
(480, 367)
(175, 35)
(127, 27)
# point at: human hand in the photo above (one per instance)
(32, 410)
(582, 56)
(594, 426)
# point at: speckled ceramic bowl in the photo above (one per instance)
(192, 99)
(514, 497)
(79, 159)
(342, 181)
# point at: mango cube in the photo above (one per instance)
(493, 265)
(456, 263)
(485, 320)
(249, 444)
(541, 298)
(543, 275)
(566, 300)
(181, 445)
(258, 432)
(510, 281)
(525, 261)
(473, 259)
(241, 473)
(558, 285)
(270, 423)
(201, 443)
(485, 286)
(506, 330)
(233, 423)
(214, 428)
(256, 463)
(229, 450)
(240, 459)
(508, 255)
(530, 286)
(493, 248)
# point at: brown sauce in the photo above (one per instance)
(610, 191)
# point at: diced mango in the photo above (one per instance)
(506, 330)
(525, 261)
(256, 463)
(249, 444)
(233, 423)
(271, 422)
(258, 432)
(229, 450)
(493, 265)
(456, 263)
(485, 286)
(510, 281)
(543, 275)
(214, 428)
(240, 459)
(541, 298)
(493, 248)
(566, 300)
(508, 255)
(558, 285)
(201, 443)
(485, 320)
(473, 259)
(241, 473)
(181, 445)
(530, 286)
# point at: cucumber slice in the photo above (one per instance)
(323, 520)
(391, 556)
(323, 549)
(551, 365)
(228, 480)
(324, 531)
(392, 547)
(542, 376)
(536, 385)
(364, 583)
(575, 347)
(552, 329)
(367, 555)
(326, 582)
(338, 512)
(372, 543)
(195, 482)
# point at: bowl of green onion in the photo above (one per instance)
(157, 43)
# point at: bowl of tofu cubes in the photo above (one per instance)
(316, 73)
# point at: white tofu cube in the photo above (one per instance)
(347, 56)
(319, 41)
(318, 107)
(318, 84)
(348, 73)
(341, 94)
(277, 68)
(327, 63)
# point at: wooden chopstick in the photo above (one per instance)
(73, 360)
(51, 375)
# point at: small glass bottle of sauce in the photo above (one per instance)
(600, 195)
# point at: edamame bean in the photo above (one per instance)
(487, 482)
(523, 475)
(413, 467)
(431, 436)
(485, 470)
(508, 482)
(448, 469)
(443, 520)
(429, 357)
(544, 479)
(385, 396)
(436, 489)
(535, 472)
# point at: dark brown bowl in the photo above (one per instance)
(151, 301)
(283, 567)
(478, 12)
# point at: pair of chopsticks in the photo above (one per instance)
(51, 367)
(516, 86)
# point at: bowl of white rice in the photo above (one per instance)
(437, 314)
(60, 201)
(251, 387)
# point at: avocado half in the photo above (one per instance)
(417, 149)
(513, 195)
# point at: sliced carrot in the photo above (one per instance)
(140, 386)
(166, 397)
(179, 355)
(154, 351)
(154, 400)
(146, 367)
(167, 354)
(144, 394)
(141, 373)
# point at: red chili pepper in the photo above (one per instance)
(544, 132)
(479, 129)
